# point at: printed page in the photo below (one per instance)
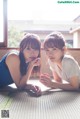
(41, 17)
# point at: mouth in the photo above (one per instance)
(32, 58)
(52, 58)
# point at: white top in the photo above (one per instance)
(70, 68)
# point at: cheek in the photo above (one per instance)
(26, 54)
(60, 54)
(47, 53)
(37, 53)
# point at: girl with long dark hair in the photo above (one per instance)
(16, 66)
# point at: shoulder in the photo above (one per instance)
(13, 52)
(12, 57)
(70, 67)
(69, 61)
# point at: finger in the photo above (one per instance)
(44, 83)
(45, 74)
(44, 77)
(42, 80)
(37, 59)
(37, 88)
(37, 62)
(38, 91)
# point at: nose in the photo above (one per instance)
(33, 53)
(50, 53)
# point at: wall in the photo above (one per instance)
(76, 39)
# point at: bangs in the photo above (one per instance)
(34, 44)
(52, 42)
(48, 45)
(30, 41)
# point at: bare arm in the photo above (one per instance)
(56, 77)
(26, 77)
(72, 85)
(13, 64)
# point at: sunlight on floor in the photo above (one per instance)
(34, 82)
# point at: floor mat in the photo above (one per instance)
(54, 104)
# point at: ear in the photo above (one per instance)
(64, 49)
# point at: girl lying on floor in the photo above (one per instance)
(16, 66)
(62, 65)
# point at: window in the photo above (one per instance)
(41, 17)
(36, 16)
(69, 43)
(3, 23)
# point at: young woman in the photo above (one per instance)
(63, 66)
(16, 66)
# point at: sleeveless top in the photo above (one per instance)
(5, 76)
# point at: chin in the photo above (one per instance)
(28, 60)
(52, 60)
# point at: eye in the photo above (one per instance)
(28, 48)
(35, 49)
(47, 50)
(54, 49)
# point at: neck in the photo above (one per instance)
(59, 63)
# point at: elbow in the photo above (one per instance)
(20, 87)
(76, 87)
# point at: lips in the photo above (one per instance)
(32, 58)
(51, 57)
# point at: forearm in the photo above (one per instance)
(58, 80)
(26, 77)
(64, 86)
(25, 87)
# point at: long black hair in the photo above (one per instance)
(33, 41)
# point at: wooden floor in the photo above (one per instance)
(53, 104)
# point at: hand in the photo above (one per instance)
(35, 62)
(46, 80)
(33, 90)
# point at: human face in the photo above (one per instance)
(55, 54)
(30, 54)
